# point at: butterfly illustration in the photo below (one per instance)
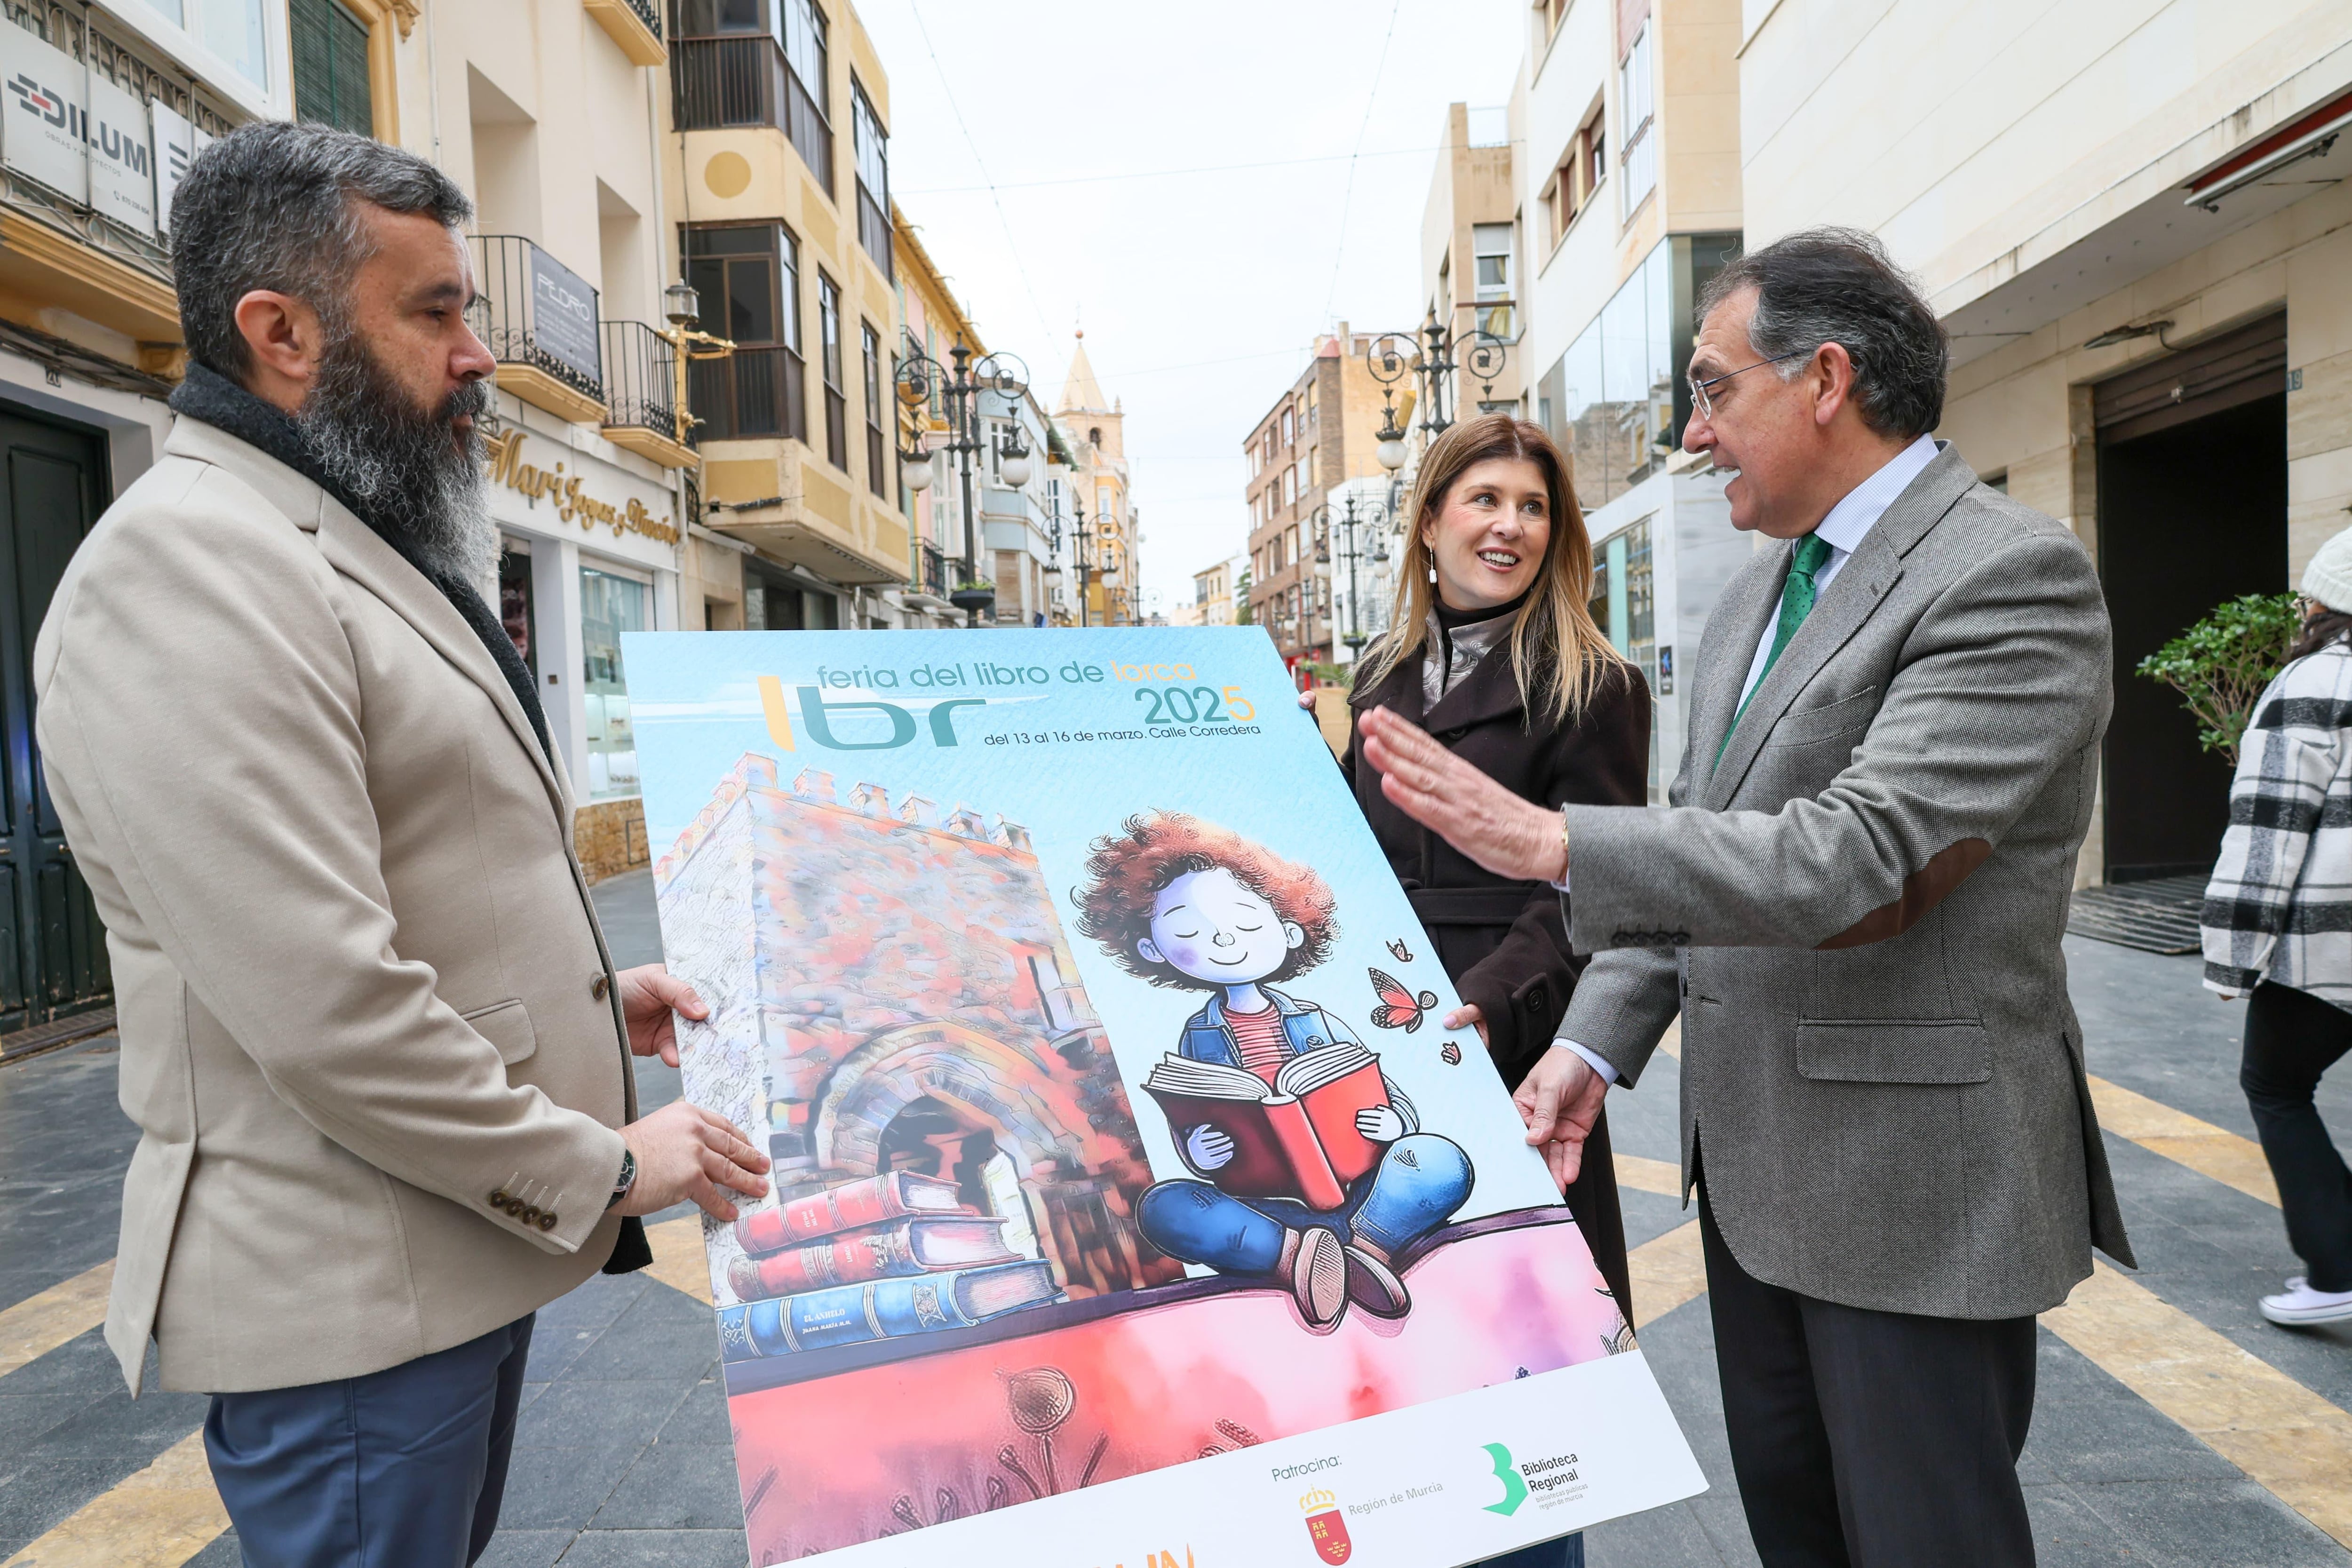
(1398, 1008)
(1451, 1054)
(1397, 950)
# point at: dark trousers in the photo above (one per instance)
(1870, 1439)
(403, 1468)
(2292, 1038)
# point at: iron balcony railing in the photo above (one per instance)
(753, 392)
(935, 572)
(744, 80)
(648, 13)
(532, 310)
(641, 380)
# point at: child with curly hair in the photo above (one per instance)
(1187, 904)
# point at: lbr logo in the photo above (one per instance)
(819, 716)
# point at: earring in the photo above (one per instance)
(1433, 572)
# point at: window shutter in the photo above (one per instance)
(331, 65)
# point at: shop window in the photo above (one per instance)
(609, 605)
(330, 66)
(516, 609)
(779, 605)
(1618, 393)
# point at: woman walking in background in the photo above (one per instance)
(2278, 924)
(1494, 650)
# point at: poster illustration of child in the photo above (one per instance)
(1190, 905)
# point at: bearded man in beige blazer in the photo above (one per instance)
(371, 1034)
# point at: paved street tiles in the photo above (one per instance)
(48, 1319)
(157, 1518)
(2151, 1384)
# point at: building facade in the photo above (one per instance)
(1319, 434)
(1629, 181)
(1471, 254)
(548, 115)
(545, 112)
(777, 181)
(2140, 245)
(1213, 593)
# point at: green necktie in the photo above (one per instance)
(1796, 603)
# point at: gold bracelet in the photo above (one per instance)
(1563, 842)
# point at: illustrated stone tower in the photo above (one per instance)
(892, 989)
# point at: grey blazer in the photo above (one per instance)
(1857, 912)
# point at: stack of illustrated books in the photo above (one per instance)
(891, 1254)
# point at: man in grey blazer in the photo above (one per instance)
(1854, 903)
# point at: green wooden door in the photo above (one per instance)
(52, 945)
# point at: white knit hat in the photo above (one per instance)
(2328, 578)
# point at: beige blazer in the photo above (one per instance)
(360, 986)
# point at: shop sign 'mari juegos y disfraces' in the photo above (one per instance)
(567, 491)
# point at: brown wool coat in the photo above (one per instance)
(1503, 942)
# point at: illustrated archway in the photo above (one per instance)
(1080, 1182)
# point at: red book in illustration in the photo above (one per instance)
(1295, 1139)
(911, 1246)
(846, 1207)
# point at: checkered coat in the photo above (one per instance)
(2280, 904)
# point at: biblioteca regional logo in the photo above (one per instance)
(1521, 1481)
(1325, 1525)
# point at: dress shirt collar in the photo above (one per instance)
(1851, 521)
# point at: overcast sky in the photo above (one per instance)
(1071, 164)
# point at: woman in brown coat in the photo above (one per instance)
(1493, 651)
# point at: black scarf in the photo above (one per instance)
(213, 399)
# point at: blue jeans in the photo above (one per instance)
(403, 1468)
(1568, 1552)
(1421, 1180)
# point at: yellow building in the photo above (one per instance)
(778, 177)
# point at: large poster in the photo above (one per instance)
(1132, 1204)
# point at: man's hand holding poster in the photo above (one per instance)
(1124, 1212)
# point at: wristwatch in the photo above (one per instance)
(628, 1177)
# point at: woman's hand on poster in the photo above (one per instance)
(686, 1153)
(1380, 1124)
(1559, 1100)
(649, 999)
(1208, 1149)
(1507, 835)
(1468, 1013)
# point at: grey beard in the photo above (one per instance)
(417, 478)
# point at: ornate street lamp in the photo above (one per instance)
(1434, 357)
(683, 306)
(1372, 515)
(923, 380)
(1081, 538)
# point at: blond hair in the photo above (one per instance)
(1558, 656)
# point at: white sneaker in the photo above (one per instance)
(2303, 1305)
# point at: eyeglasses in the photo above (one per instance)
(1698, 389)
